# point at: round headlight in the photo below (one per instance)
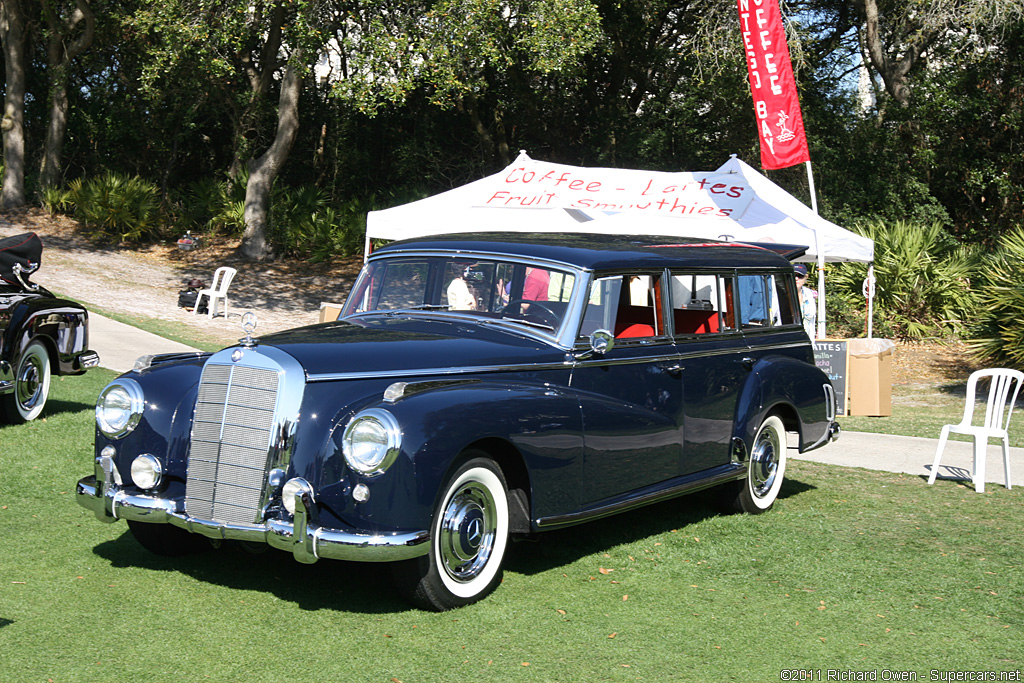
(372, 441)
(119, 408)
(147, 471)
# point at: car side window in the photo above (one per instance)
(628, 305)
(765, 301)
(753, 301)
(784, 287)
(701, 303)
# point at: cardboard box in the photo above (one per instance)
(870, 376)
(329, 312)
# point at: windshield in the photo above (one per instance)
(484, 288)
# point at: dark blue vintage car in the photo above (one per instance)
(475, 388)
(40, 335)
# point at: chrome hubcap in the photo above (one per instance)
(764, 462)
(29, 383)
(467, 532)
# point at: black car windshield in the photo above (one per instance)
(484, 288)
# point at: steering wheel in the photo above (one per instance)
(551, 318)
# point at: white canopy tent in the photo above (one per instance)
(734, 203)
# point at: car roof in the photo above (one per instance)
(608, 252)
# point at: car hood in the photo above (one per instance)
(372, 344)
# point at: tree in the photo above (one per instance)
(13, 33)
(69, 33)
(897, 37)
(237, 49)
(263, 170)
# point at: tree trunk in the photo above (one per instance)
(59, 54)
(893, 71)
(12, 33)
(264, 170)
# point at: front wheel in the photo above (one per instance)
(765, 471)
(468, 539)
(31, 385)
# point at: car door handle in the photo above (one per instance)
(674, 369)
(748, 362)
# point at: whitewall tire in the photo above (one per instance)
(766, 468)
(468, 538)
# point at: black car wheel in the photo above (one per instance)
(31, 385)
(469, 536)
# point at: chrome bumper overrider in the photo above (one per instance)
(308, 542)
(833, 431)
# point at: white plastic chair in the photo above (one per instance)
(1004, 385)
(218, 290)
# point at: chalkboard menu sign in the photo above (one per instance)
(830, 356)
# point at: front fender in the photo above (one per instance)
(537, 426)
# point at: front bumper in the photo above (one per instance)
(308, 542)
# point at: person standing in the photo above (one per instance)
(808, 300)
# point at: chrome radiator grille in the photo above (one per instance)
(231, 438)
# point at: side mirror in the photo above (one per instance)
(601, 342)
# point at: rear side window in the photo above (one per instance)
(701, 303)
(765, 300)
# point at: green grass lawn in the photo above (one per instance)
(853, 570)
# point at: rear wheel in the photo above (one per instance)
(167, 540)
(468, 539)
(31, 385)
(766, 469)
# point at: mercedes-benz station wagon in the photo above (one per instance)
(475, 388)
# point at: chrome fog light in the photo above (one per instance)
(119, 408)
(147, 471)
(292, 488)
(361, 493)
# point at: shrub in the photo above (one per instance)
(305, 226)
(923, 283)
(999, 332)
(117, 206)
(55, 199)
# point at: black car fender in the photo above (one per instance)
(781, 385)
(531, 429)
(62, 325)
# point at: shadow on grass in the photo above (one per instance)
(365, 588)
(59, 406)
(361, 588)
(565, 546)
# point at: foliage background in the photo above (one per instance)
(401, 101)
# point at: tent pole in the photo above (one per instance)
(821, 255)
(810, 181)
(869, 287)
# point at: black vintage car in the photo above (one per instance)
(40, 335)
(475, 388)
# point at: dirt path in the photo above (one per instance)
(145, 282)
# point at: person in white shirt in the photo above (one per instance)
(808, 300)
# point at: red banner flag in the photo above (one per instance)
(780, 123)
